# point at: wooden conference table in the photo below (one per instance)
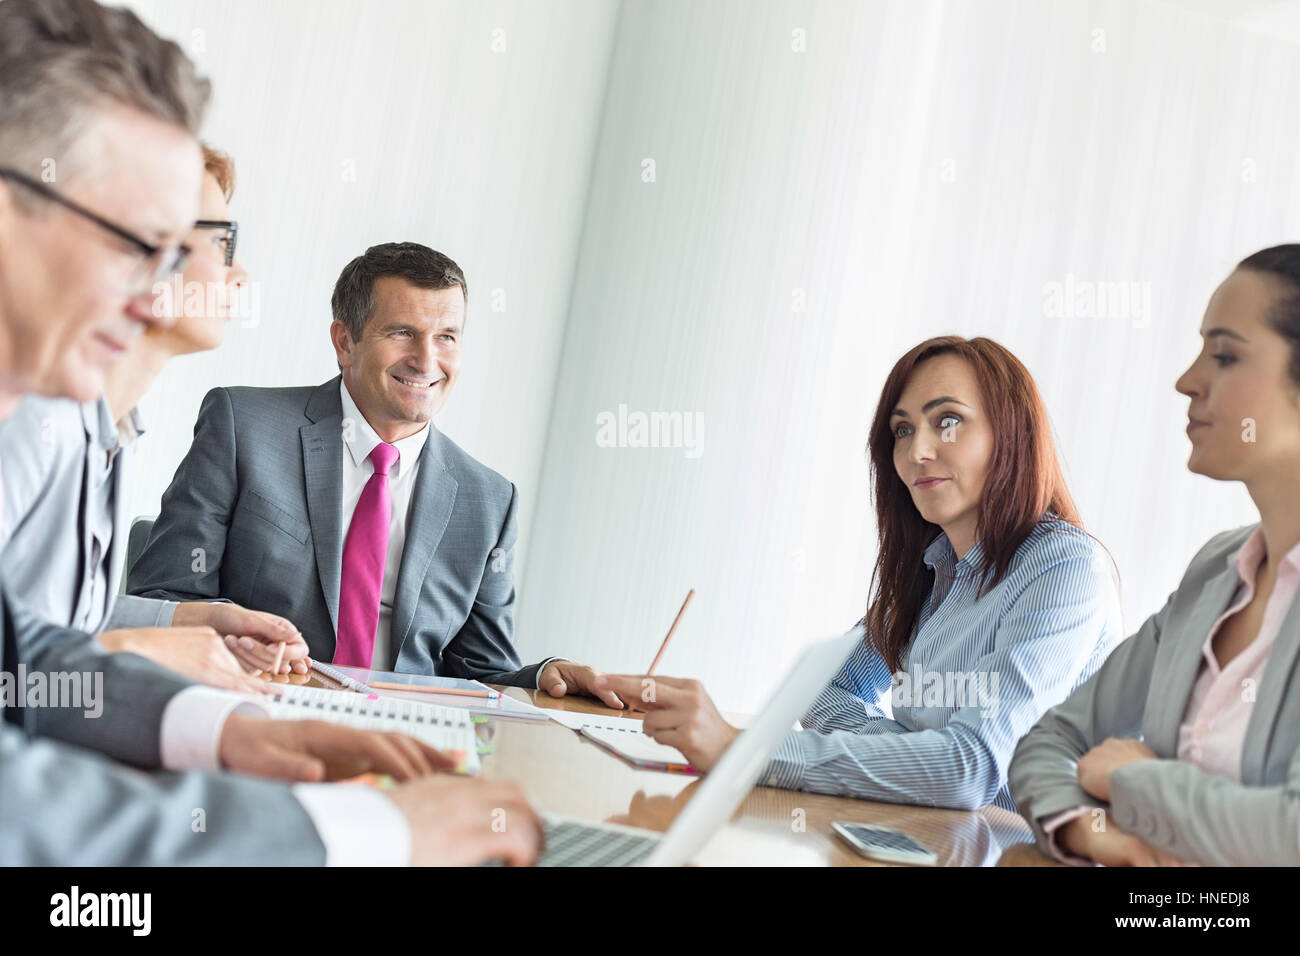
(567, 774)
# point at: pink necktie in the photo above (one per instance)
(364, 554)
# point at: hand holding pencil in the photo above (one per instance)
(252, 636)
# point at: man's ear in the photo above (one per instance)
(341, 339)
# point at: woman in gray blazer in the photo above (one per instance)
(1185, 745)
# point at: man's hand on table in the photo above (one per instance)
(313, 751)
(460, 821)
(559, 678)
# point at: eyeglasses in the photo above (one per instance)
(158, 262)
(232, 235)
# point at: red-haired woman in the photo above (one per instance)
(989, 605)
(1186, 744)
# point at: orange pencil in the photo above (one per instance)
(662, 647)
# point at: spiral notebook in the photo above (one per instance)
(358, 678)
(448, 729)
(623, 737)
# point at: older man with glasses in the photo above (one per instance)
(156, 262)
(109, 111)
(66, 562)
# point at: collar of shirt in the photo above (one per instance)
(130, 427)
(111, 437)
(108, 436)
(101, 431)
(364, 438)
(939, 554)
(1251, 553)
(1246, 561)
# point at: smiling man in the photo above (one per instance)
(342, 507)
(99, 178)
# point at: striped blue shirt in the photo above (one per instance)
(977, 675)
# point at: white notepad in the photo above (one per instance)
(448, 729)
(624, 736)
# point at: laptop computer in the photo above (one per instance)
(571, 842)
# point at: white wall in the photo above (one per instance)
(483, 155)
(921, 168)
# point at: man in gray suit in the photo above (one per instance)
(117, 108)
(283, 503)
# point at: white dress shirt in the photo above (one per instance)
(358, 825)
(359, 440)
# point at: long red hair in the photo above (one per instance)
(1024, 484)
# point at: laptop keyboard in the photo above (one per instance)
(569, 843)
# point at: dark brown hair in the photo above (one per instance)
(353, 300)
(1024, 485)
(1283, 264)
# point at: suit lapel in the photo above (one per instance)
(1185, 663)
(322, 466)
(432, 500)
(90, 448)
(121, 522)
(1269, 694)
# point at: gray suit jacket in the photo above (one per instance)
(65, 802)
(45, 527)
(1143, 690)
(255, 515)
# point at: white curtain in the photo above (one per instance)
(469, 127)
(832, 183)
(741, 212)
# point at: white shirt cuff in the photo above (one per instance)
(358, 825)
(537, 682)
(190, 737)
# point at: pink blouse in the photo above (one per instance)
(1214, 725)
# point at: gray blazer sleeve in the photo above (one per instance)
(181, 561)
(1042, 776)
(482, 649)
(72, 805)
(64, 805)
(1206, 817)
(127, 720)
(129, 611)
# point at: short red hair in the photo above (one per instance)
(221, 168)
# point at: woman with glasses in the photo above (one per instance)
(65, 562)
(1185, 746)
